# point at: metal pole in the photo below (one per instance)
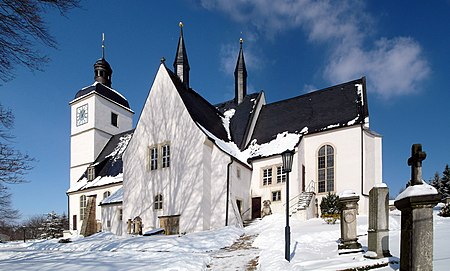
(24, 239)
(287, 230)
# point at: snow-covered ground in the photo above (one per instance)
(314, 247)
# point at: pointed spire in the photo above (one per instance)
(181, 63)
(240, 77)
(102, 69)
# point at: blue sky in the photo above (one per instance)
(291, 47)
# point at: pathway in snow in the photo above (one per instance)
(239, 256)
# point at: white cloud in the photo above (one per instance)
(394, 66)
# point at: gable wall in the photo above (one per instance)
(347, 145)
(165, 119)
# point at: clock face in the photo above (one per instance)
(82, 114)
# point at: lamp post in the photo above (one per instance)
(287, 158)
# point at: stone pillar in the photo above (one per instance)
(416, 204)
(349, 210)
(416, 245)
(378, 246)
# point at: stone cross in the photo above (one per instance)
(415, 161)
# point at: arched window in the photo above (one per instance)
(325, 166)
(82, 206)
(158, 204)
(106, 194)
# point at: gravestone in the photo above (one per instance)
(378, 243)
(129, 225)
(416, 205)
(349, 209)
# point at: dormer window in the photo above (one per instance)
(91, 174)
(114, 118)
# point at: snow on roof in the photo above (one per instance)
(99, 181)
(417, 190)
(115, 197)
(121, 146)
(226, 121)
(284, 141)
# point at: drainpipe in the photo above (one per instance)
(362, 161)
(228, 191)
(68, 211)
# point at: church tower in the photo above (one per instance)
(181, 63)
(97, 113)
(240, 77)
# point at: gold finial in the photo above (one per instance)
(241, 40)
(163, 60)
(103, 45)
(181, 24)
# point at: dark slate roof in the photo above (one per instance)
(104, 91)
(336, 105)
(106, 165)
(201, 111)
(240, 122)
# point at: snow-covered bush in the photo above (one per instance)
(445, 211)
(53, 226)
(330, 208)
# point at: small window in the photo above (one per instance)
(108, 223)
(91, 173)
(276, 195)
(114, 118)
(158, 204)
(166, 155)
(153, 155)
(120, 214)
(106, 194)
(82, 206)
(267, 176)
(281, 175)
(238, 172)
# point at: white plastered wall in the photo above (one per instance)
(111, 214)
(348, 158)
(74, 202)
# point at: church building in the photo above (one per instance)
(189, 165)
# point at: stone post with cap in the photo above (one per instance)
(416, 205)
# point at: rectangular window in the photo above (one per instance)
(267, 176)
(114, 118)
(281, 175)
(276, 195)
(158, 204)
(91, 173)
(153, 155)
(238, 172)
(120, 214)
(166, 155)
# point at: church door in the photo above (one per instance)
(256, 207)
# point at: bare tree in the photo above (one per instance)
(22, 27)
(13, 165)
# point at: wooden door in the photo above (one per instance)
(256, 207)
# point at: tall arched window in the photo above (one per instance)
(82, 206)
(325, 166)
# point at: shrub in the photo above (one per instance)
(445, 211)
(330, 208)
